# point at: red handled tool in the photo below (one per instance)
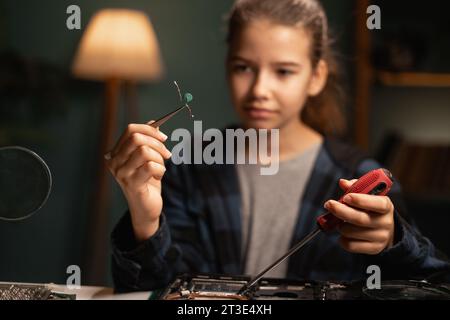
(376, 182)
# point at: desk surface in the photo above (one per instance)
(99, 293)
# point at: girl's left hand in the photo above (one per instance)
(368, 221)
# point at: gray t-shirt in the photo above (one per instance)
(270, 207)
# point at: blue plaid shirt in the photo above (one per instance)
(200, 229)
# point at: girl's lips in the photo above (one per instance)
(259, 113)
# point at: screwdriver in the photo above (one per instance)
(375, 182)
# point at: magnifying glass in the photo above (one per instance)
(25, 183)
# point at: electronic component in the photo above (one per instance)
(22, 291)
(216, 287)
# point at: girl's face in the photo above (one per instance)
(270, 74)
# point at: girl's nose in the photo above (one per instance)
(261, 85)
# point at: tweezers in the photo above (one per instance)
(163, 119)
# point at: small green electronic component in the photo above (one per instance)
(188, 97)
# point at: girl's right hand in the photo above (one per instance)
(137, 164)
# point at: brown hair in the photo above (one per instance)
(323, 112)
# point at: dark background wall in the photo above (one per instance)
(59, 117)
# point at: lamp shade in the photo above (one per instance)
(118, 43)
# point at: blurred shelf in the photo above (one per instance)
(413, 79)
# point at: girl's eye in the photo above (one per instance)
(240, 68)
(284, 72)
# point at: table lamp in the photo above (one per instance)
(119, 46)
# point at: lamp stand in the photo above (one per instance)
(131, 101)
(97, 246)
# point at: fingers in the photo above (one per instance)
(141, 156)
(135, 141)
(350, 231)
(144, 129)
(147, 171)
(368, 220)
(352, 215)
(372, 203)
(345, 184)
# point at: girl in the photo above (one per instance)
(229, 219)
